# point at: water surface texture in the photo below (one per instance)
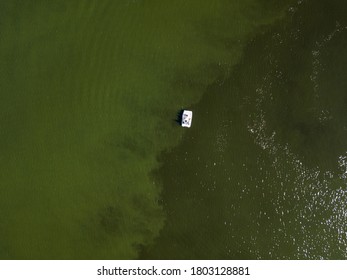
(262, 173)
(89, 94)
(93, 164)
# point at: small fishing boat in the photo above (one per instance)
(187, 117)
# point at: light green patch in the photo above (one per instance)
(89, 94)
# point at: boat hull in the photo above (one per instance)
(187, 117)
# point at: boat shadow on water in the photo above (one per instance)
(178, 119)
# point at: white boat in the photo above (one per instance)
(187, 117)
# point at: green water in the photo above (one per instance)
(94, 165)
(262, 173)
(89, 93)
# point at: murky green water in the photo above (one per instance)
(89, 92)
(262, 173)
